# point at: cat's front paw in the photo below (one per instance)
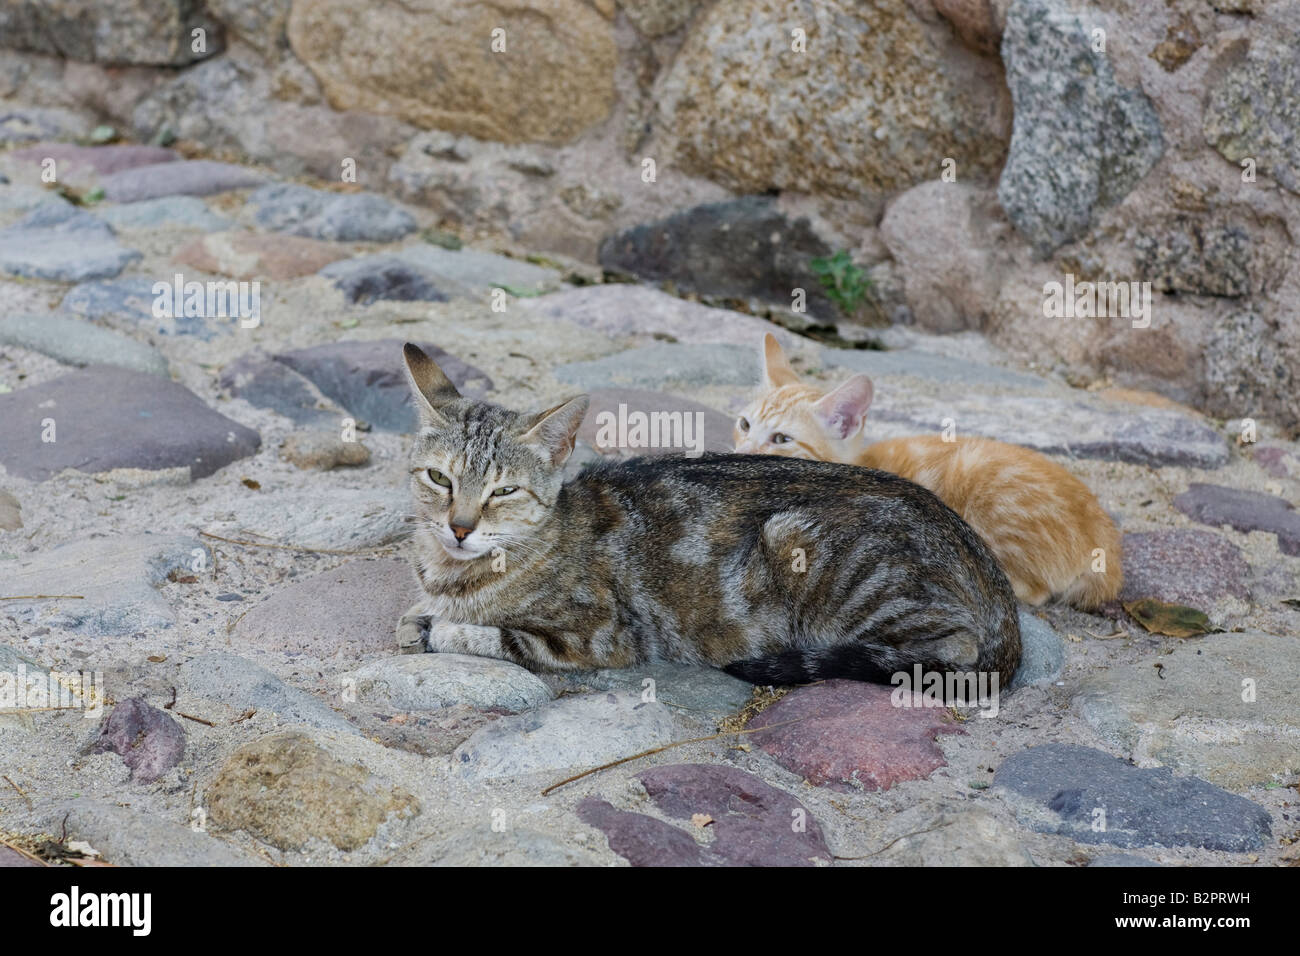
(413, 633)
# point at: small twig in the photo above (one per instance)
(656, 750)
(21, 792)
(1105, 637)
(291, 547)
(197, 720)
(44, 597)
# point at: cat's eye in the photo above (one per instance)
(780, 438)
(438, 478)
(504, 490)
(743, 424)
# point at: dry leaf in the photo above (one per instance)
(701, 820)
(1175, 620)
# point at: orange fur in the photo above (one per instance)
(1041, 522)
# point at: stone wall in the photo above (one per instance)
(970, 153)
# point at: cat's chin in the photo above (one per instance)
(460, 554)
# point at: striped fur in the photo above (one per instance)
(1045, 527)
(776, 570)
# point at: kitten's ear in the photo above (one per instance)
(431, 388)
(554, 430)
(776, 370)
(844, 411)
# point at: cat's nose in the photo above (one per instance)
(461, 531)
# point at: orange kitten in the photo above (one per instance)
(1041, 522)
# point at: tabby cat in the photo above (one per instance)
(777, 571)
(1041, 522)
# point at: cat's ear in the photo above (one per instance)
(554, 431)
(844, 411)
(776, 370)
(431, 388)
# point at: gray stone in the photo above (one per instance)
(646, 315)
(1252, 363)
(188, 212)
(113, 32)
(106, 417)
(318, 214)
(343, 519)
(353, 609)
(188, 177)
(1074, 424)
(75, 342)
(1190, 714)
(1060, 788)
(64, 243)
(931, 366)
(1244, 510)
(955, 838)
(472, 271)
(385, 277)
(431, 273)
(23, 198)
(704, 691)
(1042, 653)
(1193, 256)
(148, 740)
(1253, 107)
(741, 249)
(435, 681)
(31, 124)
(127, 837)
(131, 298)
(1183, 566)
(485, 847)
(1080, 140)
(10, 512)
(115, 580)
(369, 380)
(582, 731)
(259, 379)
(240, 685)
(667, 365)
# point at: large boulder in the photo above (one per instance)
(144, 32)
(876, 102)
(433, 64)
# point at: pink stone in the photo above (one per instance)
(845, 734)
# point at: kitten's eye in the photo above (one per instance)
(780, 438)
(743, 423)
(504, 490)
(438, 478)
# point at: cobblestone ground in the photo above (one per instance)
(186, 526)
